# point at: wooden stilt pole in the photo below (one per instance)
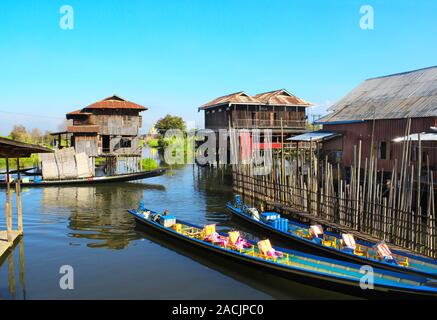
(8, 208)
(19, 206)
(11, 273)
(18, 170)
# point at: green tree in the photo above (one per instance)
(169, 122)
(19, 133)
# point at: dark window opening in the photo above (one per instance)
(105, 143)
(125, 143)
(384, 150)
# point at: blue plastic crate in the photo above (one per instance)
(167, 221)
(266, 216)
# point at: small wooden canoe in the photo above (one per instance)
(298, 265)
(333, 245)
(92, 180)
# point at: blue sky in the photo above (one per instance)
(173, 56)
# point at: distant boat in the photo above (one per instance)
(337, 245)
(32, 171)
(289, 263)
(91, 180)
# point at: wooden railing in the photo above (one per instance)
(257, 123)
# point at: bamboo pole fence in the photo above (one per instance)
(397, 207)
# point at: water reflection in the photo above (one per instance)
(11, 281)
(82, 225)
(275, 286)
(98, 214)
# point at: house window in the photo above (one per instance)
(105, 143)
(125, 143)
(384, 150)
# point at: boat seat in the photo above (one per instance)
(211, 235)
(329, 242)
(304, 234)
(384, 252)
(348, 244)
(236, 242)
(359, 251)
(192, 232)
(208, 230)
(267, 252)
(404, 263)
(316, 230)
(177, 227)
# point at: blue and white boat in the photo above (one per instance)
(342, 276)
(343, 246)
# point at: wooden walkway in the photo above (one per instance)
(336, 226)
(4, 245)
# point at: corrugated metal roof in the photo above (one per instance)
(234, 98)
(410, 94)
(314, 136)
(281, 97)
(79, 112)
(429, 136)
(112, 102)
(278, 97)
(115, 102)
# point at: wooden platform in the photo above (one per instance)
(4, 245)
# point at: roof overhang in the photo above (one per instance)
(228, 104)
(315, 136)
(338, 122)
(16, 149)
(58, 133)
(422, 136)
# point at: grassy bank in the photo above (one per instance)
(149, 164)
(24, 162)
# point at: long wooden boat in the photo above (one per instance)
(92, 180)
(332, 244)
(298, 265)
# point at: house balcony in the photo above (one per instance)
(269, 124)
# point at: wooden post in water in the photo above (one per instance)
(19, 206)
(18, 169)
(11, 275)
(8, 208)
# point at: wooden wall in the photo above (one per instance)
(385, 130)
(241, 115)
(117, 124)
(115, 147)
(86, 143)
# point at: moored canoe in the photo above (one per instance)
(334, 245)
(294, 264)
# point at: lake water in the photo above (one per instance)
(89, 229)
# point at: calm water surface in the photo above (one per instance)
(89, 229)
